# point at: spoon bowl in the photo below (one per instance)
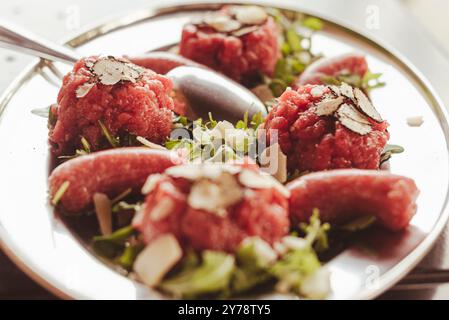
(208, 91)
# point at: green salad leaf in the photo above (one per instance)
(125, 206)
(86, 149)
(113, 141)
(313, 23)
(246, 278)
(211, 276)
(296, 47)
(112, 245)
(294, 268)
(316, 232)
(252, 266)
(126, 259)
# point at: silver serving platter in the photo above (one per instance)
(42, 245)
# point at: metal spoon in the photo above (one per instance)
(206, 90)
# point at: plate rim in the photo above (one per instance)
(98, 29)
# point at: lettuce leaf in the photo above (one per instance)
(213, 275)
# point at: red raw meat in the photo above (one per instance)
(239, 57)
(350, 63)
(344, 195)
(316, 143)
(141, 108)
(261, 212)
(110, 172)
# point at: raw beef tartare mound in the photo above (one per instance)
(105, 101)
(327, 127)
(239, 41)
(214, 206)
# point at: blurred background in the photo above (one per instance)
(57, 20)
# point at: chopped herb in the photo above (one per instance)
(214, 148)
(370, 81)
(122, 195)
(243, 124)
(78, 153)
(212, 123)
(257, 120)
(41, 112)
(126, 259)
(110, 246)
(313, 23)
(124, 206)
(246, 278)
(316, 232)
(182, 120)
(213, 275)
(173, 144)
(294, 268)
(58, 195)
(85, 144)
(294, 40)
(388, 152)
(113, 141)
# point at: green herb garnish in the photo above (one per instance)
(112, 245)
(122, 195)
(294, 268)
(58, 195)
(370, 81)
(113, 141)
(79, 152)
(85, 144)
(126, 259)
(213, 275)
(316, 232)
(389, 151)
(296, 45)
(41, 112)
(313, 23)
(125, 206)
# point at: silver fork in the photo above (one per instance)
(15, 38)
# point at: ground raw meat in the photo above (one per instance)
(242, 58)
(346, 64)
(261, 212)
(110, 172)
(344, 195)
(315, 143)
(141, 108)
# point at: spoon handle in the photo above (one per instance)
(12, 37)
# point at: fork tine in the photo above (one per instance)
(54, 70)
